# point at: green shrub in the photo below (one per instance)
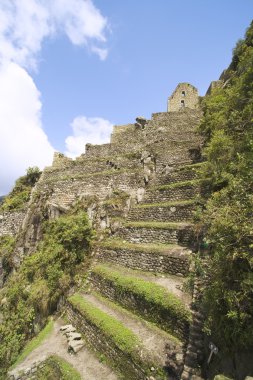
(227, 127)
(42, 278)
(7, 244)
(20, 195)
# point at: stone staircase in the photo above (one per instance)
(137, 284)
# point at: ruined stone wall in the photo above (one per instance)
(30, 373)
(162, 213)
(185, 95)
(170, 194)
(139, 154)
(11, 222)
(176, 263)
(182, 236)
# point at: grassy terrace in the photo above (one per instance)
(149, 325)
(166, 204)
(89, 175)
(152, 294)
(158, 225)
(122, 244)
(175, 185)
(121, 336)
(111, 327)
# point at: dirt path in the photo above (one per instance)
(149, 336)
(84, 361)
(174, 285)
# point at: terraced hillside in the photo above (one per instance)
(140, 194)
(142, 268)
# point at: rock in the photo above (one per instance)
(138, 125)
(141, 122)
(139, 194)
(67, 329)
(179, 358)
(4, 301)
(27, 371)
(73, 336)
(75, 345)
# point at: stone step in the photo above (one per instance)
(149, 335)
(145, 296)
(156, 258)
(95, 184)
(160, 232)
(119, 336)
(163, 212)
(170, 174)
(172, 192)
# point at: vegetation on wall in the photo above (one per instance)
(21, 192)
(32, 293)
(227, 220)
(159, 300)
(58, 369)
(7, 243)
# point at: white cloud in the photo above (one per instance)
(23, 142)
(24, 24)
(102, 53)
(93, 130)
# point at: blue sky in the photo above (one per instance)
(70, 69)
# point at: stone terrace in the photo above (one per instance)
(137, 276)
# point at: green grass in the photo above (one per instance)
(88, 175)
(174, 185)
(35, 342)
(149, 325)
(122, 244)
(166, 204)
(157, 225)
(154, 294)
(58, 369)
(190, 166)
(111, 327)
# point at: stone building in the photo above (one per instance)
(185, 95)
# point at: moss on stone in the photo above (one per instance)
(58, 369)
(112, 328)
(166, 204)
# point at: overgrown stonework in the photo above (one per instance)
(140, 192)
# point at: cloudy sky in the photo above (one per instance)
(70, 69)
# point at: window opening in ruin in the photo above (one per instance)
(183, 93)
(182, 103)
